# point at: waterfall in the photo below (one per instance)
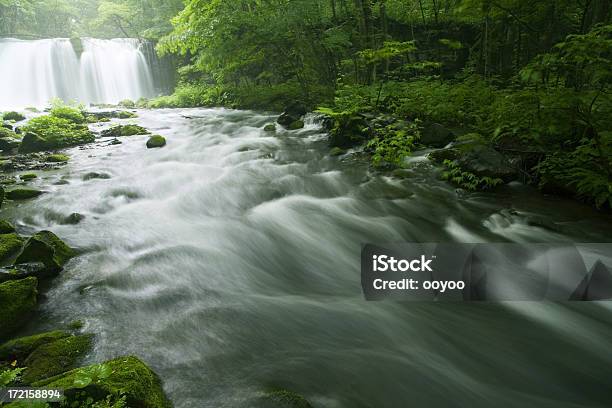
(88, 71)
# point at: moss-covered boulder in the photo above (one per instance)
(282, 398)
(126, 115)
(28, 176)
(270, 127)
(51, 132)
(55, 358)
(57, 158)
(298, 124)
(95, 175)
(336, 151)
(47, 248)
(19, 349)
(17, 302)
(125, 130)
(127, 376)
(6, 227)
(436, 135)
(16, 116)
(10, 245)
(156, 141)
(23, 193)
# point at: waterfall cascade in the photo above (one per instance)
(87, 71)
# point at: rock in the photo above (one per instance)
(6, 227)
(23, 194)
(17, 302)
(47, 248)
(336, 151)
(55, 357)
(16, 116)
(73, 219)
(10, 245)
(438, 156)
(270, 127)
(127, 103)
(292, 113)
(9, 140)
(95, 175)
(21, 271)
(349, 132)
(485, 161)
(125, 130)
(57, 158)
(128, 376)
(436, 135)
(281, 398)
(156, 141)
(31, 142)
(19, 349)
(28, 176)
(126, 115)
(6, 125)
(298, 124)
(114, 142)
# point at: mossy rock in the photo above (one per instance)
(124, 375)
(55, 358)
(16, 116)
(10, 246)
(270, 127)
(125, 130)
(95, 175)
(47, 248)
(19, 349)
(127, 103)
(57, 158)
(17, 302)
(281, 398)
(295, 125)
(23, 194)
(336, 151)
(28, 176)
(9, 133)
(6, 227)
(126, 115)
(156, 141)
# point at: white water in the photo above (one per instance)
(107, 71)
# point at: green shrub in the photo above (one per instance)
(54, 133)
(73, 115)
(467, 180)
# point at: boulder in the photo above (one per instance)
(28, 176)
(270, 127)
(6, 227)
(31, 142)
(126, 375)
(298, 124)
(484, 161)
(156, 141)
(126, 115)
(438, 156)
(292, 113)
(47, 248)
(436, 135)
(10, 245)
(349, 132)
(73, 219)
(23, 193)
(55, 357)
(16, 116)
(19, 349)
(336, 151)
(95, 175)
(125, 130)
(282, 398)
(17, 302)
(57, 158)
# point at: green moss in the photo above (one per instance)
(28, 176)
(298, 124)
(50, 132)
(4, 132)
(73, 115)
(270, 127)
(156, 141)
(125, 130)
(17, 301)
(19, 349)
(16, 116)
(124, 375)
(6, 227)
(57, 158)
(55, 358)
(336, 151)
(23, 194)
(126, 115)
(286, 398)
(10, 245)
(47, 248)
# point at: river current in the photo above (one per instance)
(229, 261)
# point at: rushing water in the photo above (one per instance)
(229, 261)
(103, 71)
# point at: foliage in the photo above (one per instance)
(466, 179)
(58, 132)
(10, 376)
(393, 146)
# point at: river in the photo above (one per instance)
(229, 261)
